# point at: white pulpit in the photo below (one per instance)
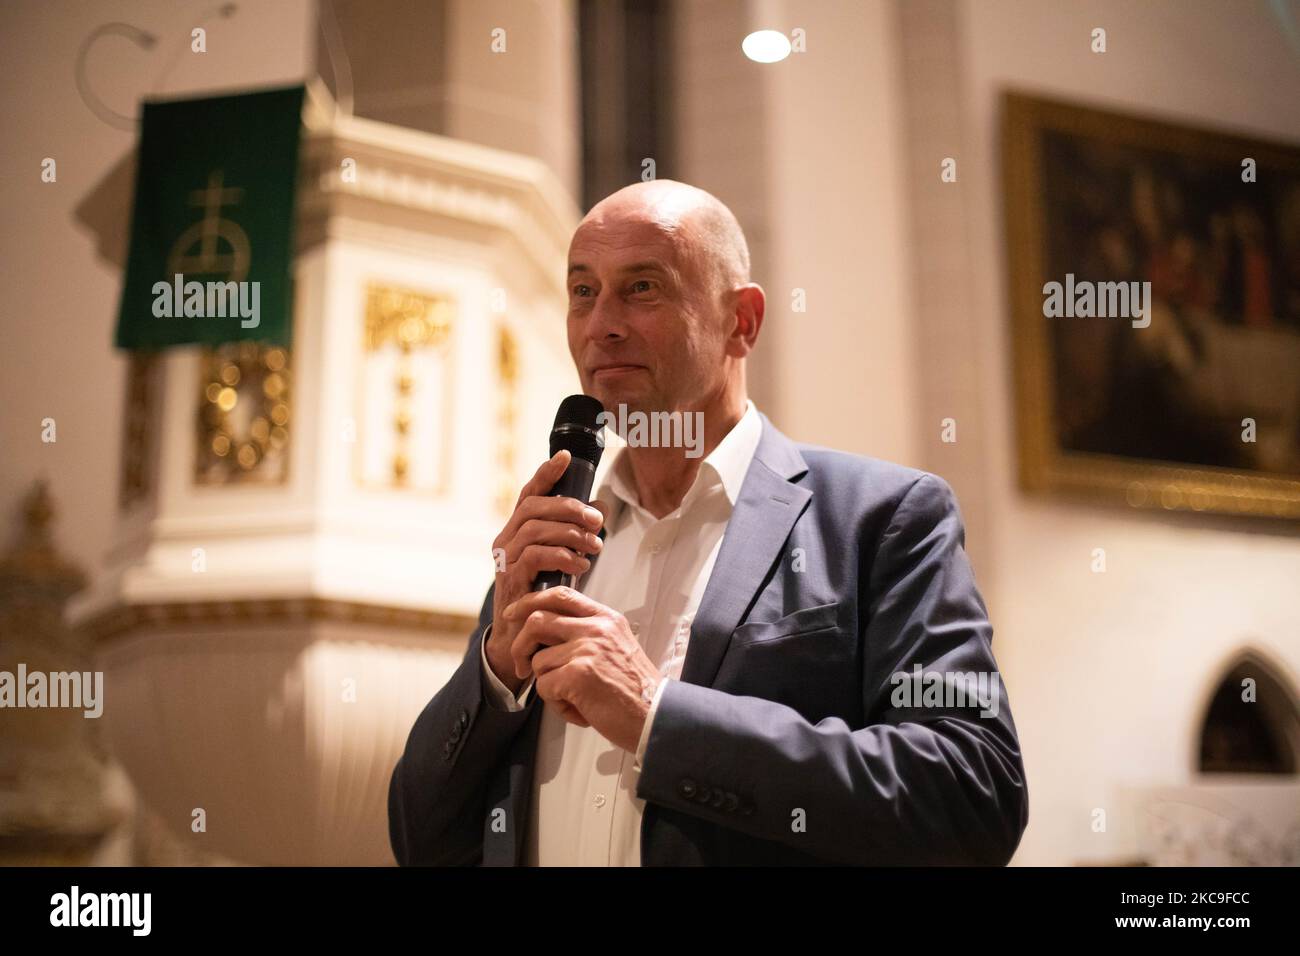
(304, 537)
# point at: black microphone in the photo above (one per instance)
(577, 428)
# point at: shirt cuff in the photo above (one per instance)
(649, 719)
(500, 693)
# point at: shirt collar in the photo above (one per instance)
(727, 465)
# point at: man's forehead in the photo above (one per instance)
(618, 241)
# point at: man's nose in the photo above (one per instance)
(606, 321)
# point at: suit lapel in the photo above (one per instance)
(768, 506)
(766, 510)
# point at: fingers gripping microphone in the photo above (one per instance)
(577, 428)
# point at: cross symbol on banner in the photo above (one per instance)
(206, 232)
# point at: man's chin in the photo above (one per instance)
(612, 396)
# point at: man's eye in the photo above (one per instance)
(648, 285)
(581, 290)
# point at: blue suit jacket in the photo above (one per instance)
(787, 740)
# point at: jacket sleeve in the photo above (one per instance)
(437, 796)
(924, 781)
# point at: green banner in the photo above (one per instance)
(212, 227)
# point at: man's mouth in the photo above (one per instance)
(611, 370)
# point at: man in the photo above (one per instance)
(775, 655)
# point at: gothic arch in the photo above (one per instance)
(1241, 735)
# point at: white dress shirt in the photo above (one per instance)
(584, 810)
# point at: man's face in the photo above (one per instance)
(646, 323)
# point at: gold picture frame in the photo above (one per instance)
(1034, 130)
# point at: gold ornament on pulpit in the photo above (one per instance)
(243, 428)
(507, 416)
(411, 321)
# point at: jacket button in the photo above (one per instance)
(686, 788)
(464, 717)
(448, 749)
(702, 794)
(731, 803)
(715, 800)
(746, 809)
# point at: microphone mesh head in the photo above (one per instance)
(577, 428)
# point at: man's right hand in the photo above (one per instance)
(543, 534)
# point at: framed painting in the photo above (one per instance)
(1155, 294)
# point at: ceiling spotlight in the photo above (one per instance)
(766, 46)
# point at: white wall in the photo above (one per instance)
(1109, 673)
(807, 153)
(846, 368)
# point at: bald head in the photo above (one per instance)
(662, 312)
(702, 226)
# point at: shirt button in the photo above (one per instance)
(656, 549)
(599, 801)
(636, 627)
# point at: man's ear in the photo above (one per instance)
(751, 303)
